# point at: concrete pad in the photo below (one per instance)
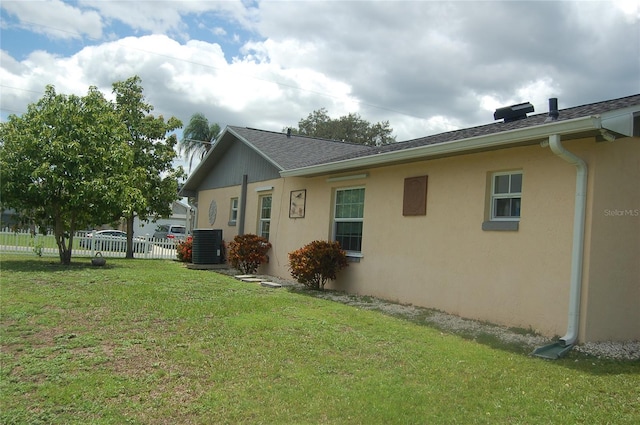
(192, 266)
(271, 285)
(252, 280)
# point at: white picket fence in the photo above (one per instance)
(26, 242)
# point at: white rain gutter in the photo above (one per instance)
(580, 207)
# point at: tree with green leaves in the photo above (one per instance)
(62, 162)
(348, 128)
(198, 136)
(152, 181)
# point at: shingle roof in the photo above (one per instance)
(302, 152)
(297, 151)
(499, 127)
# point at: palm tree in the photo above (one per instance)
(197, 137)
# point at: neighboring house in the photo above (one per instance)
(502, 222)
(181, 213)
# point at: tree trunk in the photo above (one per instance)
(130, 235)
(64, 240)
(66, 257)
(63, 252)
(72, 231)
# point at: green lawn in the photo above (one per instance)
(151, 342)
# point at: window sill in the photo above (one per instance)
(354, 257)
(500, 226)
(231, 223)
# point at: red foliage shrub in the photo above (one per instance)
(185, 250)
(247, 252)
(317, 262)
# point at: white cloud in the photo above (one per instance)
(150, 16)
(439, 124)
(536, 92)
(55, 18)
(425, 67)
(168, 17)
(631, 9)
(181, 79)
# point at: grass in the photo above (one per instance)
(149, 342)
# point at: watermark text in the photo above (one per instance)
(622, 212)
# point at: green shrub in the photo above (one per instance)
(316, 263)
(247, 252)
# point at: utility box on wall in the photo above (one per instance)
(207, 246)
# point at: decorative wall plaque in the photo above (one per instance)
(297, 203)
(213, 212)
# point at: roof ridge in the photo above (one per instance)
(304, 136)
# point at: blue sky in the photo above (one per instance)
(24, 32)
(424, 66)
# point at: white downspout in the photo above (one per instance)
(578, 237)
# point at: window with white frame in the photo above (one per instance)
(233, 213)
(506, 193)
(265, 216)
(348, 218)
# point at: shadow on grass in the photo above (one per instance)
(51, 264)
(597, 366)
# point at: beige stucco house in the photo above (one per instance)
(531, 221)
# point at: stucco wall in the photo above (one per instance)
(444, 260)
(223, 196)
(611, 296)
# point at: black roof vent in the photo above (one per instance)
(513, 112)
